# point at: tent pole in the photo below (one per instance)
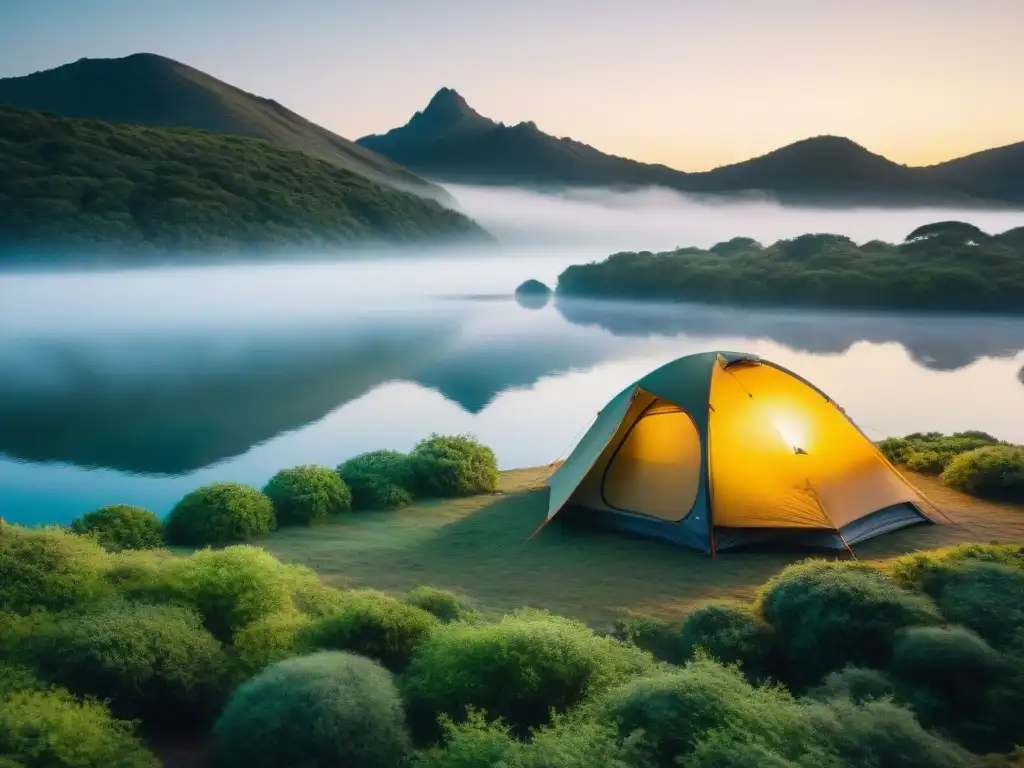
(839, 532)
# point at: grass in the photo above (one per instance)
(478, 547)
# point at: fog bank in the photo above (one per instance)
(661, 219)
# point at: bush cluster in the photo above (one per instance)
(930, 452)
(374, 625)
(946, 270)
(919, 662)
(151, 662)
(995, 472)
(218, 514)
(453, 465)
(379, 479)
(972, 462)
(306, 494)
(827, 614)
(48, 568)
(440, 466)
(445, 605)
(121, 526)
(322, 710)
(519, 668)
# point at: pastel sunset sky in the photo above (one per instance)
(689, 83)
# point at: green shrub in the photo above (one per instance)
(677, 709)
(518, 669)
(219, 514)
(305, 494)
(17, 631)
(657, 637)
(328, 709)
(927, 462)
(567, 743)
(856, 684)
(731, 633)
(988, 598)
(151, 662)
(950, 675)
(453, 465)
(826, 615)
(235, 586)
(15, 678)
(271, 639)
(925, 570)
(50, 729)
(48, 568)
(733, 750)
(443, 604)
(379, 480)
(930, 452)
(121, 526)
(374, 625)
(995, 472)
(879, 734)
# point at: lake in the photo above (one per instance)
(138, 386)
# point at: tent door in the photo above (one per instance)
(655, 469)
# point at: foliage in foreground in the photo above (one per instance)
(151, 662)
(445, 605)
(727, 631)
(519, 668)
(121, 526)
(326, 709)
(230, 588)
(220, 513)
(827, 614)
(306, 494)
(951, 267)
(374, 625)
(933, 638)
(80, 183)
(51, 729)
(48, 568)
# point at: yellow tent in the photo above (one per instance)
(723, 449)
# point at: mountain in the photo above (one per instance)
(450, 141)
(993, 173)
(147, 89)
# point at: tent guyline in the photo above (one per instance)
(723, 449)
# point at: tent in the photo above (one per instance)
(722, 449)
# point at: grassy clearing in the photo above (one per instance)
(478, 547)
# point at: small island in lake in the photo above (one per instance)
(73, 184)
(947, 266)
(533, 294)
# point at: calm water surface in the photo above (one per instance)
(139, 386)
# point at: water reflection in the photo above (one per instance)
(165, 402)
(936, 342)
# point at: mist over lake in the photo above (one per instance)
(138, 385)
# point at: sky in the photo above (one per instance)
(693, 84)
